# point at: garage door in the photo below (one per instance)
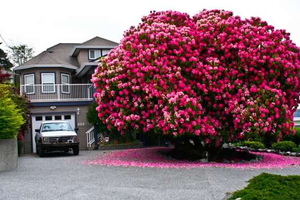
(38, 119)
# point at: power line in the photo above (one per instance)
(4, 40)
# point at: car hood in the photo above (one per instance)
(58, 133)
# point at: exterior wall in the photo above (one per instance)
(82, 123)
(8, 154)
(83, 56)
(37, 74)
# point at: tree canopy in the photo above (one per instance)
(21, 53)
(213, 76)
(5, 64)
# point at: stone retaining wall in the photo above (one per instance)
(8, 154)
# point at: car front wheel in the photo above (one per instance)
(41, 151)
(76, 150)
(37, 149)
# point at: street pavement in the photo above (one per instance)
(63, 176)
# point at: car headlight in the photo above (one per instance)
(45, 139)
(75, 139)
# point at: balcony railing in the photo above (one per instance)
(58, 92)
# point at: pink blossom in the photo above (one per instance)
(210, 74)
(153, 158)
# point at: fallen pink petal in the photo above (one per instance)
(154, 158)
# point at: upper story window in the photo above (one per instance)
(65, 81)
(94, 54)
(29, 83)
(97, 53)
(105, 52)
(48, 82)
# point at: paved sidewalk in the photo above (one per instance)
(62, 176)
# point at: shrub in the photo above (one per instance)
(296, 136)
(22, 104)
(293, 137)
(270, 187)
(284, 146)
(213, 76)
(254, 144)
(10, 116)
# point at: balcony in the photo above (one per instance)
(58, 92)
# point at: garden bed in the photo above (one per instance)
(132, 145)
(155, 157)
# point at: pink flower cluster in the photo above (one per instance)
(214, 75)
(152, 157)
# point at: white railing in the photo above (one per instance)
(90, 137)
(58, 92)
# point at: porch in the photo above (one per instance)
(58, 92)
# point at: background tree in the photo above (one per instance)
(3, 75)
(5, 64)
(4, 61)
(21, 53)
(202, 81)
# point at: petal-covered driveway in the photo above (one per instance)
(63, 176)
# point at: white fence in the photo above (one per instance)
(58, 92)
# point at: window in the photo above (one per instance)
(29, 83)
(48, 118)
(59, 126)
(105, 52)
(58, 117)
(48, 82)
(93, 54)
(67, 117)
(38, 118)
(65, 81)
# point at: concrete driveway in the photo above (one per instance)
(62, 176)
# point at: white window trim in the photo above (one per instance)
(26, 84)
(65, 84)
(90, 54)
(46, 92)
(92, 58)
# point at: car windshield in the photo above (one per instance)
(57, 126)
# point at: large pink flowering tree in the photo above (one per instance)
(213, 78)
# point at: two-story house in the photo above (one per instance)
(57, 82)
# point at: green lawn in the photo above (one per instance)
(270, 187)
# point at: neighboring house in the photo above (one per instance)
(57, 82)
(297, 117)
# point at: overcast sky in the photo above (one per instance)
(42, 24)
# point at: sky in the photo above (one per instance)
(42, 24)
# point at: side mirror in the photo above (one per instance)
(37, 130)
(76, 129)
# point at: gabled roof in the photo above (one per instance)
(98, 41)
(94, 43)
(55, 56)
(63, 54)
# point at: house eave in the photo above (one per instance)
(44, 66)
(84, 68)
(76, 49)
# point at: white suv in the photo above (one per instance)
(56, 135)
